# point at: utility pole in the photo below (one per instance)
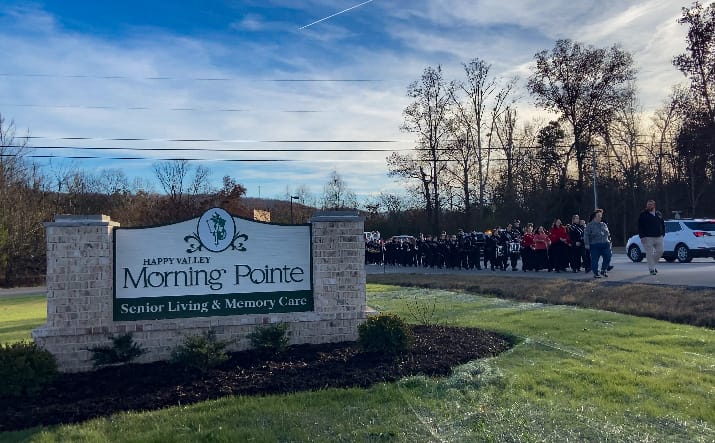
(595, 177)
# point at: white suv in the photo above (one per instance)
(684, 240)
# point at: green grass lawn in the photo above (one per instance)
(575, 375)
(21, 314)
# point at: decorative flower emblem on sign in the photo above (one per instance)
(216, 232)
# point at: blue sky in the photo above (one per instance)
(236, 71)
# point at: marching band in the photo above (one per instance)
(559, 249)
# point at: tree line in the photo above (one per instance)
(476, 163)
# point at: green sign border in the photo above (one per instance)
(190, 306)
(117, 303)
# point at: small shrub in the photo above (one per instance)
(270, 338)
(385, 333)
(25, 369)
(122, 350)
(201, 352)
(422, 311)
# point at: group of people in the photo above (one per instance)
(578, 245)
(561, 248)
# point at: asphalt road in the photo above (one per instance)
(698, 273)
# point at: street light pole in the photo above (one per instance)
(292, 197)
(595, 177)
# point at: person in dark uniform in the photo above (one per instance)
(391, 252)
(373, 252)
(576, 238)
(586, 252)
(476, 250)
(441, 256)
(419, 249)
(490, 249)
(513, 247)
(502, 249)
(463, 249)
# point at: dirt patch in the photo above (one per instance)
(78, 397)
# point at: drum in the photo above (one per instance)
(500, 250)
(514, 247)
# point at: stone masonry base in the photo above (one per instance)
(160, 337)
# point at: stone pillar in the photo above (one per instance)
(79, 287)
(339, 271)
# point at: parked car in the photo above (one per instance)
(685, 239)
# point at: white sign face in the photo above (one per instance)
(214, 265)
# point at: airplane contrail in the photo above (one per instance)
(337, 13)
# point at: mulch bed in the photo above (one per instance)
(74, 398)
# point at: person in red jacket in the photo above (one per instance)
(541, 247)
(560, 248)
(527, 248)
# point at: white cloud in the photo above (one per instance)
(416, 35)
(251, 22)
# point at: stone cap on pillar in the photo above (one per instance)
(337, 216)
(82, 220)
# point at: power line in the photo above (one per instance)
(210, 149)
(327, 150)
(86, 157)
(317, 141)
(91, 157)
(142, 108)
(341, 160)
(197, 79)
(194, 140)
(107, 148)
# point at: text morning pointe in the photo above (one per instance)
(213, 277)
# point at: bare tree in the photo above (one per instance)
(505, 129)
(585, 85)
(13, 165)
(172, 177)
(461, 168)
(696, 140)
(414, 167)
(337, 195)
(478, 103)
(626, 158)
(698, 63)
(392, 203)
(552, 160)
(175, 178)
(305, 196)
(525, 178)
(661, 150)
(23, 207)
(427, 117)
(622, 137)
